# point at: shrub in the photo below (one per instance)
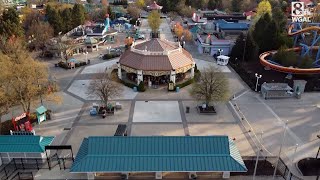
(184, 84)
(6, 126)
(141, 87)
(65, 65)
(110, 56)
(306, 62)
(130, 85)
(285, 58)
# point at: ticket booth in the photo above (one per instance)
(222, 60)
(41, 114)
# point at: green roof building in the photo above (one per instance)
(23, 146)
(157, 154)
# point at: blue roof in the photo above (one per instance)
(224, 25)
(158, 153)
(24, 144)
(41, 110)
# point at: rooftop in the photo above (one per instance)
(156, 55)
(157, 45)
(24, 143)
(224, 25)
(276, 86)
(158, 153)
(154, 6)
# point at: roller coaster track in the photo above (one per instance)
(292, 70)
(304, 30)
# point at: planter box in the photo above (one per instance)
(208, 110)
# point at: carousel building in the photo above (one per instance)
(156, 62)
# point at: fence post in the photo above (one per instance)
(64, 164)
(37, 164)
(15, 165)
(22, 164)
(5, 172)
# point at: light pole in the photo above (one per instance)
(86, 53)
(258, 154)
(294, 154)
(283, 138)
(258, 77)
(244, 48)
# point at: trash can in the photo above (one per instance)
(135, 89)
(177, 89)
(187, 109)
(48, 115)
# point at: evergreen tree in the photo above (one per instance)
(212, 4)
(66, 15)
(112, 15)
(56, 22)
(10, 23)
(280, 18)
(244, 44)
(270, 39)
(238, 49)
(236, 5)
(259, 29)
(252, 51)
(78, 15)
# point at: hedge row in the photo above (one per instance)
(196, 78)
(65, 65)
(110, 56)
(184, 84)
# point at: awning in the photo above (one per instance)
(24, 143)
(41, 110)
(158, 154)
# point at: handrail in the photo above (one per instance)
(243, 118)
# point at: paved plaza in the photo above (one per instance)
(156, 111)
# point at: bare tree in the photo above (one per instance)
(103, 87)
(212, 86)
(38, 34)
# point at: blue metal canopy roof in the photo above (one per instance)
(24, 143)
(158, 153)
(41, 110)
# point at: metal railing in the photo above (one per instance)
(282, 168)
(17, 164)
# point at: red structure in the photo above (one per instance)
(154, 6)
(22, 123)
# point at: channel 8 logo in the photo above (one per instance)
(297, 9)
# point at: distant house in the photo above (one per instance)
(72, 1)
(8, 3)
(230, 27)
